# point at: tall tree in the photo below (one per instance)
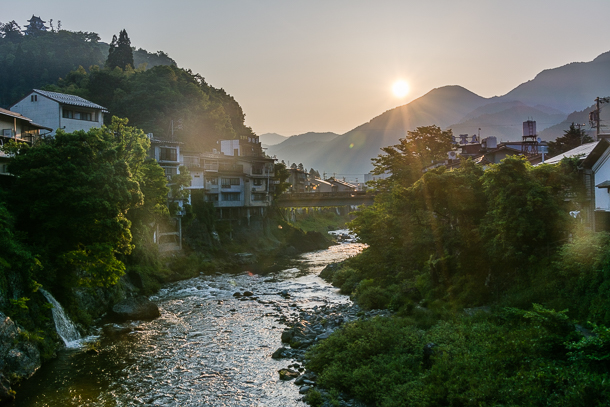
(571, 138)
(120, 53)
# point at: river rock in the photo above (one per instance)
(288, 374)
(304, 389)
(138, 308)
(6, 393)
(279, 354)
(19, 358)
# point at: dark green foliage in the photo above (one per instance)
(571, 138)
(34, 61)
(120, 54)
(517, 358)
(79, 188)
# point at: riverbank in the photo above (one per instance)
(196, 317)
(266, 247)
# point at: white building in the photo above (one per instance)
(60, 111)
(16, 127)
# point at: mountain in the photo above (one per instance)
(579, 117)
(351, 153)
(568, 88)
(270, 139)
(505, 124)
(302, 148)
(548, 98)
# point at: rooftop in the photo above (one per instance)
(71, 100)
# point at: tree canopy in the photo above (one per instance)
(72, 195)
(120, 54)
(572, 138)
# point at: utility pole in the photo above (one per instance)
(595, 115)
(582, 136)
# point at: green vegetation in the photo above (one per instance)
(33, 61)
(450, 240)
(321, 221)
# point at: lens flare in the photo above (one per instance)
(351, 145)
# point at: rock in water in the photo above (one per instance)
(19, 358)
(288, 374)
(140, 308)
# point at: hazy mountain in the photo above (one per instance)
(270, 139)
(505, 124)
(302, 148)
(568, 88)
(558, 130)
(548, 98)
(351, 153)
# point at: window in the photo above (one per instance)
(257, 170)
(169, 154)
(67, 114)
(34, 98)
(228, 182)
(170, 171)
(83, 116)
(213, 181)
(211, 197)
(231, 196)
(258, 197)
(257, 182)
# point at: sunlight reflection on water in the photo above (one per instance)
(207, 348)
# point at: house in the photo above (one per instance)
(594, 166)
(319, 185)
(60, 111)
(15, 126)
(341, 186)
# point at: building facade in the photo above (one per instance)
(60, 111)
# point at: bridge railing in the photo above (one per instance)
(323, 195)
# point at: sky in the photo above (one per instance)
(329, 65)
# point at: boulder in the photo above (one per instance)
(279, 354)
(19, 358)
(6, 393)
(135, 308)
(288, 374)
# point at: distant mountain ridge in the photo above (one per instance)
(549, 99)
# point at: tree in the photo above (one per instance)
(281, 173)
(10, 31)
(406, 160)
(120, 53)
(571, 138)
(71, 196)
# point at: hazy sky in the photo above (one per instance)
(329, 65)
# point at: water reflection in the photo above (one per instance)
(207, 348)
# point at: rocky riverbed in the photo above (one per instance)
(307, 328)
(208, 347)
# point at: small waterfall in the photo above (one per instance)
(64, 326)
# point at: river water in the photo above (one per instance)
(208, 348)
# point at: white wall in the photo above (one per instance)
(45, 111)
(601, 169)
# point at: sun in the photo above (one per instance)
(400, 89)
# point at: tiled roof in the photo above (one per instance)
(71, 100)
(580, 151)
(14, 114)
(22, 117)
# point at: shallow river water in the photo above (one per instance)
(208, 348)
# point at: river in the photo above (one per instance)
(208, 348)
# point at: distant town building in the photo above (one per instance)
(60, 111)
(15, 126)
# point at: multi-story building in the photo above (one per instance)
(238, 180)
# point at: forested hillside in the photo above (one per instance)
(146, 88)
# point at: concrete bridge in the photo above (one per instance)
(324, 199)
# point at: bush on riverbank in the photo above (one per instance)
(511, 357)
